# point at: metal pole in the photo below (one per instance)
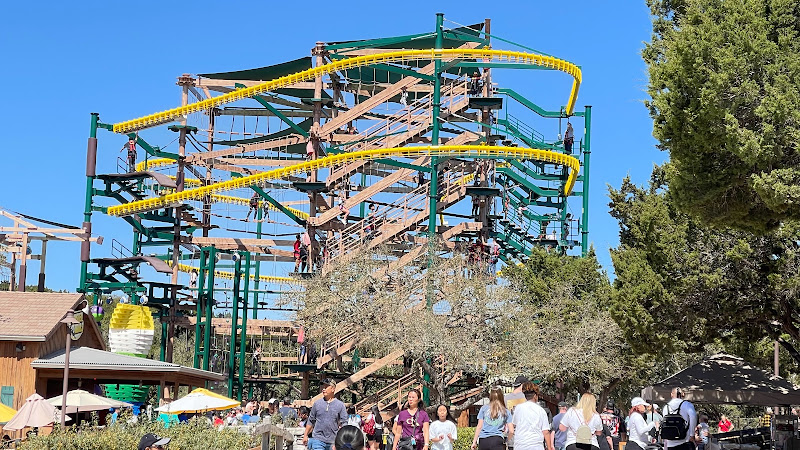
(260, 215)
(91, 166)
(234, 325)
(587, 152)
(211, 265)
(68, 319)
(23, 263)
(243, 334)
(199, 299)
(434, 185)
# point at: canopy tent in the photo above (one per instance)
(79, 400)
(726, 379)
(199, 400)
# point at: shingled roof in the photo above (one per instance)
(32, 316)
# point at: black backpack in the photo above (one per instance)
(674, 426)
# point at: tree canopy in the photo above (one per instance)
(680, 285)
(725, 88)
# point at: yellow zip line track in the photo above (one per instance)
(229, 275)
(359, 61)
(457, 151)
(163, 162)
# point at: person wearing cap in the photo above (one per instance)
(531, 428)
(558, 437)
(614, 423)
(327, 415)
(638, 429)
(152, 442)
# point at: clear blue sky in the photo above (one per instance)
(63, 60)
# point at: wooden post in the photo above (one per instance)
(23, 263)
(40, 286)
(265, 440)
(304, 386)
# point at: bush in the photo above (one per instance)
(194, 435)
(464, 441)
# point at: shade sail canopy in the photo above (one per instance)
(726, 379)
(199, 400)
(79, 400)
(36, 412)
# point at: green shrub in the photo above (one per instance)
(464, 440)
(194, 435)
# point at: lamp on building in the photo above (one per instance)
(69, 321)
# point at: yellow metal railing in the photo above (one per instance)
(379, 58)
(463, 151)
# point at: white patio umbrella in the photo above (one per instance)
(79, 400)
(36, 412)
(199, 400)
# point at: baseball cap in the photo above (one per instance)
(520, 380)
(327, 382)
(563, 405)
(655, 406)
(150, 440)
(639, 401)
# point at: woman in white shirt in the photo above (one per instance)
(638, 428)
(573, 422)
(443, 432)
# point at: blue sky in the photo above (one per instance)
(64, 60)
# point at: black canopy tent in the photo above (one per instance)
(726, 379)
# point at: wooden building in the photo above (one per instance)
(30, 328)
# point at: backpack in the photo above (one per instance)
(583, 435)
(369, 426)
(674, 426)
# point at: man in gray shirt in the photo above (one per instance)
(327, 415)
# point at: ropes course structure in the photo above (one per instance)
(444, 152)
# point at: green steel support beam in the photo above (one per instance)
(533, 106)
(434, 188)
(587, 152)
(391, 162)
(243, 334)
(91, 165)
(521, 181)
(260, 215)
(234, 328)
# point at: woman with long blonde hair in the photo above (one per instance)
(494, 420)
(582, 424)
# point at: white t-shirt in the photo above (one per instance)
(530, 420)
(574, 419)
(440, 429)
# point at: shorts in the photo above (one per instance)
(316, 444)
(492, 443)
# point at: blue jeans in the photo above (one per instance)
(316, 444)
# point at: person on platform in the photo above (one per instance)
(327, 415)
(411, 431)
(297, 246)
(256, 362)
(253, 203)
(193, 279)
(130, 147)
(569, 138)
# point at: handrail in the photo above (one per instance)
(378, 58)
(466, 151)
